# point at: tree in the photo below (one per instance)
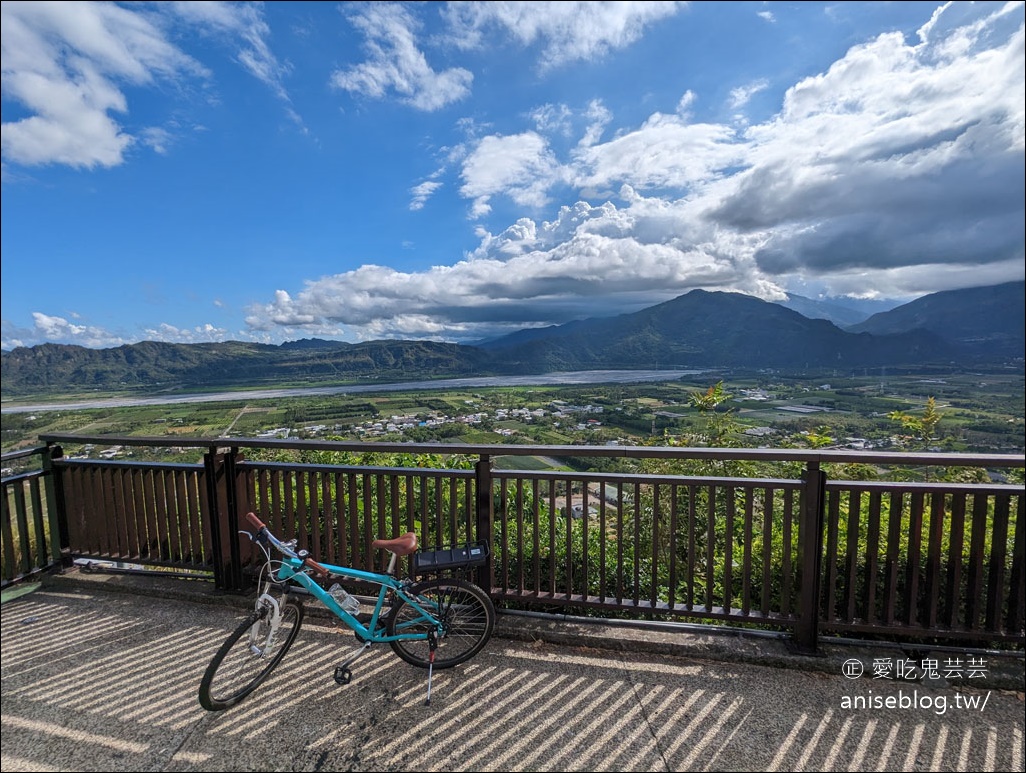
(721, 429)
(922, 428)
(708, 400)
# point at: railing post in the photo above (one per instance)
(212, 469)
(810, 539)
(56, 507)
(485, 508)
(224, 519)
(231, 517)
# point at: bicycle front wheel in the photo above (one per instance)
(248, 656)
(465, 611)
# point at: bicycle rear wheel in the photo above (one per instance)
(467, 617)
(248, 656)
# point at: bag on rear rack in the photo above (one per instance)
(434, 560)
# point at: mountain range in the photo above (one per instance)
(843, 313)
(971, 327)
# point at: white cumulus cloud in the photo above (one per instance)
(67, 66)
(396, 64)
(565, 31)
(519, 166)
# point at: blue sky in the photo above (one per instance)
(192, 172)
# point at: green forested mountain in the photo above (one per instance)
(699, 329)
(58, 367)
(712, 328)
(987, 319)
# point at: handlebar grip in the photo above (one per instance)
(256, 522)
(317, 568)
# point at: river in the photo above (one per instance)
(544, 379)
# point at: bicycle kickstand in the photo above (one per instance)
(433, 645)
(343, 674)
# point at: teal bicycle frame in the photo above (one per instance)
(292, 571)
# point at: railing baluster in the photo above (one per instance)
(520, 535)
(977, 538)
(692, 540)
(933, 558)
(894, 520)
(832, 555)
(553, 519)
(746, 572)
(872, 565)
(536, 538)
(652, 549)
(10, 568)
(1016, 595)
(38, 524)
(787, 570)
(852, 551)
(996, 574)
(353, 493)
(767, 552)
(24, 541)
(956, 544)
(672, 586)
(912, 568)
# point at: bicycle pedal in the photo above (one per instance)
(343, 676)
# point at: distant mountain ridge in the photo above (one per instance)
(705, 328)
(842, 312)
(978, 317)
(698, 329)
(153, 364)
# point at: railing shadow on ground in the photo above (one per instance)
(95, 680)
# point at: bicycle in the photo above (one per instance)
(433, 623)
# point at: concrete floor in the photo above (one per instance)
(95, 678)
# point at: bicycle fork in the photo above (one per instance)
(260, 641)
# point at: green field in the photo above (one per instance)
(980, 412)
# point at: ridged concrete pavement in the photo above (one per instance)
(100, 672)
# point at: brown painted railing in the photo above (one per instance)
(940, 560)
(153, 514)
(336, 512)
(30, 534)
(924, 557)
(718, 548)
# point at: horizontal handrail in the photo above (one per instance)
(22, 453)
(902, 458)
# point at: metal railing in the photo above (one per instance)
(931, 560)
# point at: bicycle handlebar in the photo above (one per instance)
(263, 531)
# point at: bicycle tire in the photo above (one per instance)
(238, 668)
(468, 618)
